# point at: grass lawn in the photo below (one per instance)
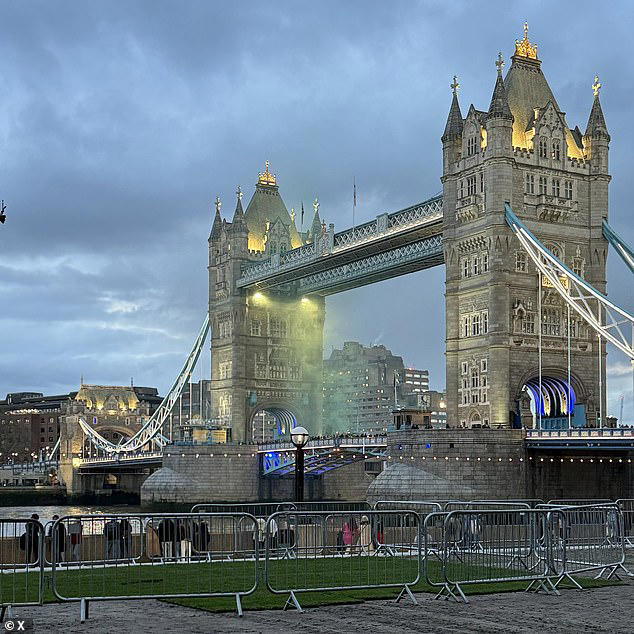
(230, 576)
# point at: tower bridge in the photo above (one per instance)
(521, 227)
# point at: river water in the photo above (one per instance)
(46, 512)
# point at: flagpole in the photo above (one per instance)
(354, 198)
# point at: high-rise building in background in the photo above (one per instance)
(359, 385)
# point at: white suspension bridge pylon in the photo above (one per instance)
(150, 436)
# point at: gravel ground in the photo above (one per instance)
(608, 609)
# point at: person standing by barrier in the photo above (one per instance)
(75, 539)
(167, 537)
(29, 540)
(259, 534)
(125, 538)
(184, 545)
(111, 533)
(350, 534)
(366, 536)
(57, 540)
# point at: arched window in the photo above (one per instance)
(543, 147)
(556, 149)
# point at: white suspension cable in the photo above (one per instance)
(608, 318)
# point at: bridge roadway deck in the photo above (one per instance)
(596, 610)
(380, 255)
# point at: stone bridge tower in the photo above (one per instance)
(266, 347)
(556, 179)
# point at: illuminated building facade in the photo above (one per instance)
(266, 347)
(521, 151)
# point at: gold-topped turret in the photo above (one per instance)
(266, 178)
(524, 48)
(596, 86)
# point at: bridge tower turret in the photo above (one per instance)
(266, 346)
(520, 151)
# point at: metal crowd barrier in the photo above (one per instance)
(343, 550)
(257, 509)
(487, 546)
(591, 538)
(21, 570)
(627, 508)
(579, 502)
(154, 555)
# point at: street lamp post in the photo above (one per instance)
(299, 437)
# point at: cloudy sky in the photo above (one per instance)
(121, 121)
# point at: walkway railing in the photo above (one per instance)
(582, 432)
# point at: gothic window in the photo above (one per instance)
(464, 367)
(465, 399)
(482, 182)
(283, 328)
(294, 373)
(476, 265)
(543, 147)
(578, 264)
(472, 145)
(483, 365)
(274, 327)
(527, 325)
(475, 379)
(485, 262)
(475, 397)
(551, 322)
(256, 328)
(471, 185)
(485, 396)
(483, 380)
(555, 187)
(278, 371)
(465, 384)
(224, 369)
(568, 189)
(475, 324)
(465, 326)
(260, 370)
(521, 264)
(556, 149)
(529, 184)
(461, 188)
(485, 322)
(466, 267)
(543, 182)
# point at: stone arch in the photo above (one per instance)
(280, 419)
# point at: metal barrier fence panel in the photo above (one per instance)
(257, 509)
(592, 538)
(627, 509)
(21, 570)
(488, 546)
(342, 550)
(154, 555)
(579, 502)
(422, 507)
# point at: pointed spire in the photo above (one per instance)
(453, 128)
(499, 107)
(238, 224)
(315, 227)
(215, 228)
(596, 121)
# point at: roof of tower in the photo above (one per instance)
(453, 128)
(217, 224)
(526, 90)
(264, 208)
(238, 224)
(499, 106)
(596, 120)
(315, 227)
